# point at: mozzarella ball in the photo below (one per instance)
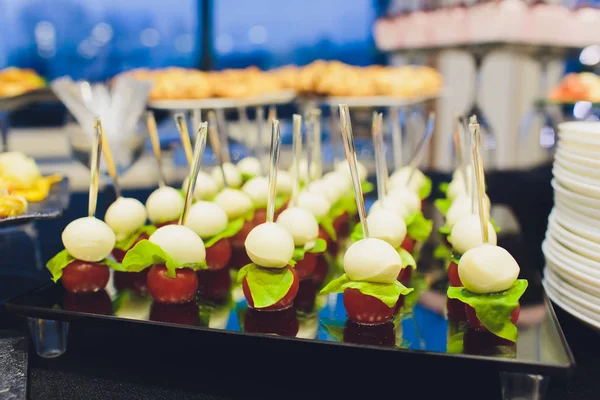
(344, 168)
(206, 187)
(316, 204)
(372, 260)
(164, 204)
(466, 234)
(207, 219)
(324, 188)
(301, 224)
(234, 202)
(233, 176)
(387, 225)
(270, 245)
(88, 239)
(339, 180)
(258, 190)
(303, 171)
(411, 201)
(400, 179)
(390, 204)
(457, 174)
(182, 244)
(457, 188)
(487, 269)
(284, 183)
(125, 216)
(249, 166)
(462, 207)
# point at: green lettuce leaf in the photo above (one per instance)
(231, 229)
(425, 189)
(444, 187)
(495, 225)
(320, 246)
(388, 293)
(344, 204)
(494, 309)
(357, 233)
(445, 230)
(419, 284)
(267, 285)
(443, 205)
(417, 226)
(327, 225)
(455, 258)
(145, 254)
(407, 258)
(246, 176)
(367, 187)
(63, 258)
(442, 252)
(280, 201)
(456, 338)
(125, 244)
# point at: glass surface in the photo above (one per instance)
(419, 326)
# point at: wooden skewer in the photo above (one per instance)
(315, 123)
(297, 155)
(379, 157)
(110, 162)
(416, 157)
(478, 171)
(199, 147)
(185, 136)
(215, 143)
(155, 141)
(273, 166)
(396, 137)
(96, 154)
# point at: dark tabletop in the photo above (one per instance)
(104, 363)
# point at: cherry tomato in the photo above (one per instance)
(282, 322)
(321, 269)
(135, 281)
(405, 275)
(408, 244)
(91, 303)
(365, 309)
(239, 258)
(164, 289)
(182, 314)
(260, 216)
(341, 225)
(399, 304)
(285, 302)
(456, 310)
(305, 267)
(307, 294)
(453, 277)
(486, 344)
(84, 277)
(377, 335)
(174, 222)
(219, 254)
(476, 324)
(119, 254)
(214, 285)
(237, 240)
(332, 247)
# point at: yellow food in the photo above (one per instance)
(16, 81)
(12, 205)
(21, 176)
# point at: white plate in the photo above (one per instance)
(565, 193)
(590, 215)
(282, 97)
(569, 307)
(580, 229)
(573, 281)
(577, 151)
(568, 263)
(576, 168)
(577, 295)
(577, 143)
(574, 257)
(582, 130)
(575, 158)
(576, 243)
(576, 183)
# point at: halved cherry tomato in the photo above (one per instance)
(453, 277)
(476, 324)
(377, 335)
(332, 246)
(282, 322)
(341, 225)
(405, 275)
(239, 258)
(119, 254)
(456, 310)
(365, 309)
(183, 314)
(285, 302)
(237, 240)
(84, 277)
(219, 254)
(174, 222)
(305, 267)
(214, 285)
(409, 244)
(135, 281)
(321, 269)
(91, 303)
(164, 289)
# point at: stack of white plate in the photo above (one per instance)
(572, 245)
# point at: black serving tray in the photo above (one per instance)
(316, 325)
(51, 207)
(34, 96)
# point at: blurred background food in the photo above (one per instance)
(577, 87)
(15, 81)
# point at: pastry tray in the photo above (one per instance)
(316, 324)
(49, 208)
(282, 97)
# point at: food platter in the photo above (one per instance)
(14, 102)
(282, 97)
(375, 101)
(51, 207)
(314, 325)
